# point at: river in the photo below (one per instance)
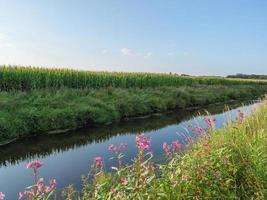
(67, 156)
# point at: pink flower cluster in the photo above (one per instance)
(209, 121)
(34, 164)
(198, 129)
(123, 146)
(167, 149)
(241, 115)
(39, 190)
(206, 146)
(189, 141)
(176, 146)
(142, 142)
(115, 149)
(99, 162)
(2, 196)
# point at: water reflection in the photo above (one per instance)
(41, 146)
(68, 156)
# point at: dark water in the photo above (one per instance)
(68, 156)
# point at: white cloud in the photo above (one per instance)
(148, 54)
(126, 52)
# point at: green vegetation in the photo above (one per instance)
(35, 100)
(42, 111)
(26, 78)
(228, 163)
(248, 76)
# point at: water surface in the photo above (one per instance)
(68, 156)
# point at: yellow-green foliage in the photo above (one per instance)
(230, 164)
(29, 78)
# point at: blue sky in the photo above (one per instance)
(192, 36)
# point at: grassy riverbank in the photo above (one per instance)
(228, 163)
(25, 113)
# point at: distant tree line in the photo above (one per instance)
(248, 76)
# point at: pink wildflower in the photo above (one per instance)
(174, 147)
(2, 196)
(52, 185)
(166, 148)
(142, 142)
(198, 129)
(21, 194)
(41, 186)
(123, 146)
(28, 194)
(209, 121)
(114, 148)
(177, 146)
(35, 164)
(98, 162)
(39, 190)
(206, 147)
(117, 151)
(189, 141)
(241, 115)
(185, 177)
(111, 147)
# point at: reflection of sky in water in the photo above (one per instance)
(68, 166)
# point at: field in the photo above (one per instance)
(39, 101)
(29, 78)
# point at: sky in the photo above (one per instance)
(198, 37)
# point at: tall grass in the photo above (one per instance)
(225, 164)
(30, 78)
(41, 111)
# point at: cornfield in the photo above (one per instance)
(30, 78)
